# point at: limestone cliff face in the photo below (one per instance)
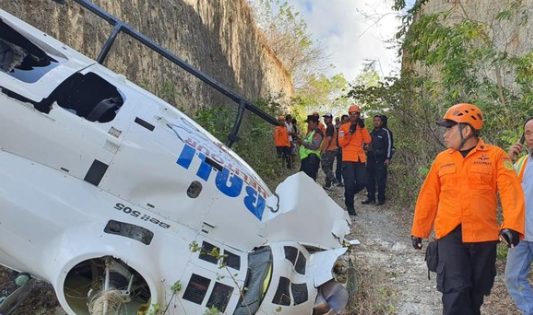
(218, 37)
(512, 34)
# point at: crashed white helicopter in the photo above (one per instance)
(127, 206)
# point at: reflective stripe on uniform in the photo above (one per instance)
(520, 166)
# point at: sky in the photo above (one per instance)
(353, 32)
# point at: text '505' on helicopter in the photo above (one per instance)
(127, 206)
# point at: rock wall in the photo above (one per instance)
(511, 33)
(218, 37)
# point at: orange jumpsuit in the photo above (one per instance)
(353, 162)
(281, 136)
(352, 144)
(463, 191)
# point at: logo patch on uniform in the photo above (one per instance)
(508, 165)
(483, 157)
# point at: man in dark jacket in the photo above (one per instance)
(379, 155)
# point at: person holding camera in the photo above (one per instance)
(352, 136)
(459, 200)
(310, 148)
(519, 259)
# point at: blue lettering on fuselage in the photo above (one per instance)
(235, 187)
(253, 201)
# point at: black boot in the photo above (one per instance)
(367, 201)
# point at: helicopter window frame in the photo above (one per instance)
(196, 289)
(205, 253)
(300, 293)
(231, 260)
(283, 295)
(301, 262)
(291, 254)
(220, 296)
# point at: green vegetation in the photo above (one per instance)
(449, 58)
(322, 94)
(304, 58)
(286, 34)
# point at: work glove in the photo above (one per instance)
(352, 128)
(417, 242)
(511, 238)
(361, 123)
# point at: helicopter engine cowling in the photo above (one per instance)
(106, 285)
(91, 282)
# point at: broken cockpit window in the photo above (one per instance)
(22, 59)
(85, 95)
(88, 96)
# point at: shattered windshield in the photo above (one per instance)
(22, 59)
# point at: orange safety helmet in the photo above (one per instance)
(354, 108)
(281, 118)
(463, 114)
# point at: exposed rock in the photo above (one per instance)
(506, 29)
(218, 37)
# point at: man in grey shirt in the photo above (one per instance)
(519, 259)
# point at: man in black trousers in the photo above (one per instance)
(379, 155)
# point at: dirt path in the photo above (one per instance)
(402, 277)
(385, 248)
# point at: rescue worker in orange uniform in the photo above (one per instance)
(459, 201)
(352, 136)
(282, 142)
